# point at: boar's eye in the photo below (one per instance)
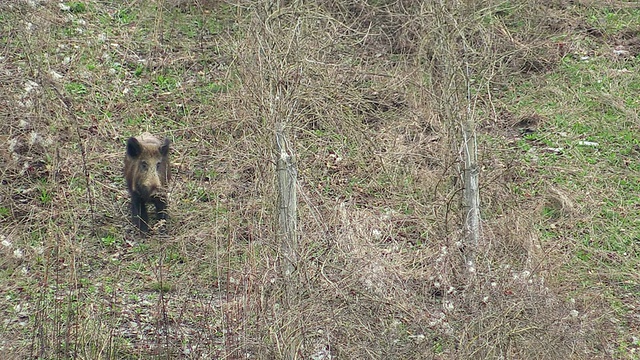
(144, 166)
(158, 165)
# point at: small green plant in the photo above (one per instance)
(174, 256)
(549, 212)
(217, 88)
(140, 249)
(69, 32)
(202, 194)
(76, 7)
(108, 240)
(125, 17)
(214, 26)
(4, 212)
(135, 121)
(138, 71)
(438, 348)
(45, 196)
(207, 175)
(166, 83)
(161, 287)
(76, 89)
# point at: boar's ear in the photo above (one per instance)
(134, 149)
(164, 149)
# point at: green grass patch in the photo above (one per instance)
(76, 89)
(109, 240)
(163, 287)
(76, 7)
(125, 16)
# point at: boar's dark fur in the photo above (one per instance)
(147, 172)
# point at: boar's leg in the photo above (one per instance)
(139, 213)
(161, 208)
(161, 212)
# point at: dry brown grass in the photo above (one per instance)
(371, 94)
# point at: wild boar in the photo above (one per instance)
(147, 172)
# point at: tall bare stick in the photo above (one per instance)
(471, 193)
(287, 202)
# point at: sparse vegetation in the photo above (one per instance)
(372, 94)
